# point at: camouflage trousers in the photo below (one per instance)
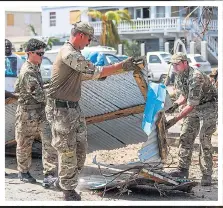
(69, 138)
(29, 125)
(202, 120)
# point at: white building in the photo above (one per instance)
(17, 21)
(153, 25)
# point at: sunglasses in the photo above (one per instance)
(39, 53)
(87, 35)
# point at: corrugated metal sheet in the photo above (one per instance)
(10, 121)
(115, 133)
(100, 97)
(114, 93)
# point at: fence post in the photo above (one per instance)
(167, 47)
(192, 47)
(204, 49)
(120, 49)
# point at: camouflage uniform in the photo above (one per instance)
(31, 120)
(199, 91)
(69, 130)
(68, 124)
(69, 133)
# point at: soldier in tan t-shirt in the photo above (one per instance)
(63, 111)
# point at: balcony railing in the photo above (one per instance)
(193, 23)
(172, 24)
(148, 25)
(213, 44)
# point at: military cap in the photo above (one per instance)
(177, 57)
(85, 28)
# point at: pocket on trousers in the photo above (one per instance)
(61, 122)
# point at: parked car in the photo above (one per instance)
(158, 64)
(102, 59)
(122, 57)
(51, 54)
(198, 61)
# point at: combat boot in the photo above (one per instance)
(48, 181)
(180, 173)
(206, 180)
(26, 177)
(71, 195)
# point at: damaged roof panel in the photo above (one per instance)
(114, 93)
(10, 110)
(115, 133)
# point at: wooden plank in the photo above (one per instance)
(141, 82)
(161, 133)
(116, 114)
(10, 143)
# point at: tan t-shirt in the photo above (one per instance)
(67, 72)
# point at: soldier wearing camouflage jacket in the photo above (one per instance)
(200, 116)
(31, 120)
(69, 129)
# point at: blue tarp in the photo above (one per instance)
(156, 96)
(96, 58)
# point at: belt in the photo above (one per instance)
(65, 104)
(34, 106)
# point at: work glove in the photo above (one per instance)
(129, 65)
(170, 123)
(140, 62)
(173, 108)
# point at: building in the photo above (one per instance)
(17, 21)
(153, 25)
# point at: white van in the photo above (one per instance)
(158, 65)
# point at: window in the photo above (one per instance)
(145, 12)
(112, 59)
(160, 11)
(199, 59)
(175, 11)
(46, 61)
(52, 19)
(10, 19)
(138, 13)
(190, 9)
(166, 57)
(154, 59)
(75, 16)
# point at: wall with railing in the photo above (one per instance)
(172, 24)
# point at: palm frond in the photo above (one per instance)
(94, 14)
(113, 15)
(32, 29)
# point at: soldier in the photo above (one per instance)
(30, 117)
(63, 111)
(200, 114)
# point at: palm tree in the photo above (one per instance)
(131, 48)
(50, 41)
(110, 20)
(32, 29)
